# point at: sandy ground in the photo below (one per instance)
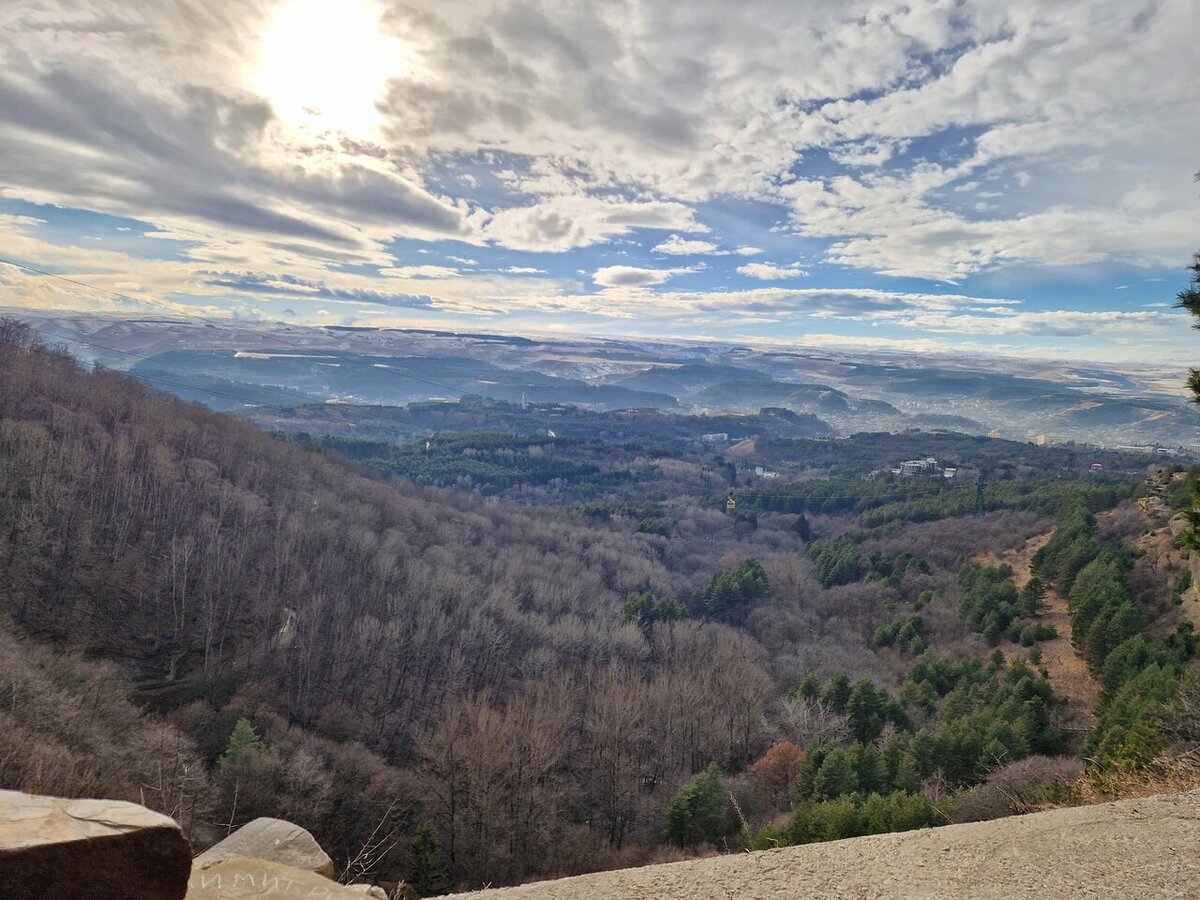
(1131, 849)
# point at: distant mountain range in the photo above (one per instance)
(232, 365)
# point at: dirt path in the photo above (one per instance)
(1135, 848)
(1069, 675)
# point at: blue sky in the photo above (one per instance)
(948, 175)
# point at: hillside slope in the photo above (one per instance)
(1133, 848)
(384, 639)
(1073, 682)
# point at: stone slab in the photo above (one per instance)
(98, 849)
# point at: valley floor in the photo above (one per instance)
(1132, 848)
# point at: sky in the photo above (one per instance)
(1009, 177)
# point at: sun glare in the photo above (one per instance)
(324, 63)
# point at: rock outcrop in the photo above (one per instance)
(98, 849)
(273, 840)
(270, 858)
(241, 879)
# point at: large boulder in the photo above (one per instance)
(99, 849)
(274, 840)
(234, 879)
(371, 890)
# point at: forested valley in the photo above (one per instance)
(591, 654)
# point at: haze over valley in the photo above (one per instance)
(249, 365)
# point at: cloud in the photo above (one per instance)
(906, 345)
(886, 223)
(562, 223)
(1057, 323)
(202, 163)
(677, 246)
(769, 272)
(420, 272)
(292, 286)
(632, 276)
(869, 153)
(937, 140)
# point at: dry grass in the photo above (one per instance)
(1165, 775)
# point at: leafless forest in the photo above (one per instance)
(407, 654)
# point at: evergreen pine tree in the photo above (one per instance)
(835, 777)
(907, 777)
(1189, 299)
(807, 775)
(1033, 597)
(244, 740)
(426, 873)
(698, 812)
(837, 692)
(810, 688)
(803, 528)
(863, 710)
(870, 773)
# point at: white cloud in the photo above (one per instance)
(632, 276)
(564, 222)
(886, 223)
(878, 125)
(770, 272)
(630, 294)
(1058, 323)
(907, 345)
(420, 272)
(677, 246)
(869, 153)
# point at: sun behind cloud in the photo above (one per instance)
(323, 64)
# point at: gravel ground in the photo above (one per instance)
(1147, 848)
